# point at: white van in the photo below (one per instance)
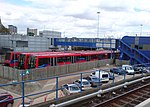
(129, 69)
(104, 76)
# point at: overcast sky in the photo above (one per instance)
(78, 17)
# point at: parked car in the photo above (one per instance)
(118, 71)
(26, 104)
(85, 84)
(145, 70)
(69, 89)
(6, 99)
(103, 75)
(129, 69)
(138, 68)
(94, 81)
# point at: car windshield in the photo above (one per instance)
(95, 79)
(85, 83)
(74, 88)
(129, 68)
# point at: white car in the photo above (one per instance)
(103, 75)
(85, 84)
(129, 69)
(27, 103)
(69, 89)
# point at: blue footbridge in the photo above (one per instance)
(133, 48)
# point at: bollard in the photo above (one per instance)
(45, 98)
(124, 76)
(61, 94)
(19, 103)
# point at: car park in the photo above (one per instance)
(6, 99)
(118, 71)
(94, 81)
(83, 83)
(69, 89)
(103, 75)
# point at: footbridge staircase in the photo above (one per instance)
(134, 55)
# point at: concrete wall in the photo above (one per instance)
(9, 73)
(121, 62)
(15, 74)
(65, 69)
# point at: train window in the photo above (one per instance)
(32, 62)
(43, 61)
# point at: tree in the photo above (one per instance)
(3, 30)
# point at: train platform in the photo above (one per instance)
(145, 103)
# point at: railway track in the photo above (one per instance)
(128, 99)
(129, 96)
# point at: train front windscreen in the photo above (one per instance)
(32, 62)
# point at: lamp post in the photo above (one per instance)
(141, 29)
(98, 25)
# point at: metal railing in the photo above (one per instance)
(57, 83)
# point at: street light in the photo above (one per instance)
(141, 29)
(98, 25)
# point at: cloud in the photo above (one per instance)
(77, 16)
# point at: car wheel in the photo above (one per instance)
(9, 105)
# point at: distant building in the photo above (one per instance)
(23, 43)
(31, 32)
(12, 29)
(50, 34)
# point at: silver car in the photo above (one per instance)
(69, 89)
(85, 84)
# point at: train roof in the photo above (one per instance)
(93, 52)
(71, 53)
(56, 55)
(32, 53)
